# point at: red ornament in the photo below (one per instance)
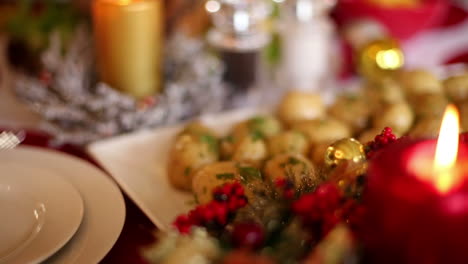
(248, 235)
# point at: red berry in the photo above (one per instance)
(289, 193)
(304, 204)
(385, 138)
(242, 202)
(329, 195)
(280, 182)
(248, 235)
(329, 222)
(227, 199)
(239, 192)
(226, 189)
(183, 224)
(208, 214)
(221, 218)
(195, 217)
(232, 205)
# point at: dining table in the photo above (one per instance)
(138, 231)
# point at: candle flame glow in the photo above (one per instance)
(212, 6)
(124, 2)
(447, 150)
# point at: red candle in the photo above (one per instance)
(417, 201)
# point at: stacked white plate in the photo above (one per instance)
(55, 208)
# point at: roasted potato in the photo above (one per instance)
(456, 88)
(299, 106)
(398, 116)
(294, 167)
(369, 134)
(257, 127)
(384, 92)
(317, 153)
(427, 127)
(188, 154)
(323, 130)
(197, 129)
(250, 149)
(261, 125)
(464, 117)
(288, 142)
(220, 173)
(415, 82)
(352, 110)
(426, 105)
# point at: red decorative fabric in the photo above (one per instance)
(402, 23)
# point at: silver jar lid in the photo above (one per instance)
(239, 24)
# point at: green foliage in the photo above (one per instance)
(225, 176)
(249, 173)
(211, 141)
(272, 51)
(34, 22)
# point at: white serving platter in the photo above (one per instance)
(138, 163)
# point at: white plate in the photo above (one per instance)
(40, 213)
(138, 164)
(104, 207)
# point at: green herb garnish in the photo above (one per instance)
(256, 135)
(187, 171)
(192, 202)
(249, 173)
(211, 141)
(293, 161)
(257, 121)
(225, 176)
(229, 138)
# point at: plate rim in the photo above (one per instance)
(118, 201)
(18, 254)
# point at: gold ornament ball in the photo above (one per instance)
(380, 58)
(347, 149)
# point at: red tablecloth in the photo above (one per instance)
(137, 231)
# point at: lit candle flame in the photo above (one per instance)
(447, 150)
